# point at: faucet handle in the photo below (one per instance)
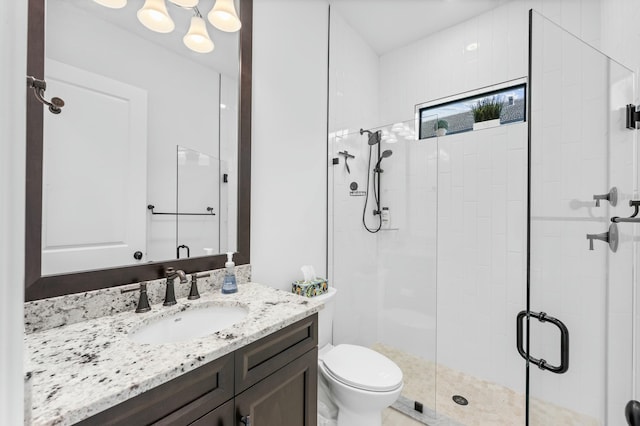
(193, 293)
(611, 197)
(610, 237)
(143, 301)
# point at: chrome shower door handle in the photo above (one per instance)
(564, 342)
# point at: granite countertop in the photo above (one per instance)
(82, 369)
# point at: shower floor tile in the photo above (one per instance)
(489, 404)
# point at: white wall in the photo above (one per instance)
(181, 109)
(288, 175)
(13, 43)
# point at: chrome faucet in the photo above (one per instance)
(170, 294)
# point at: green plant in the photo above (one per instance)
(441, 124)
(487, 109)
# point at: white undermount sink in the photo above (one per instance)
(189, 324)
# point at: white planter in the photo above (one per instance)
(441, 132)
(486, 124)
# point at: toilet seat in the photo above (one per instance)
(362, 368)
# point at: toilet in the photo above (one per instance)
(359, 381)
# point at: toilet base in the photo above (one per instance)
(349, 418)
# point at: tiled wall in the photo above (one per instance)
(353, 104)
(481, 252)
(481, 178)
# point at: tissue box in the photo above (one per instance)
(310, 288)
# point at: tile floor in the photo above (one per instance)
(489, 404)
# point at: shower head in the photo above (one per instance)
(374, 137)
(385, 154)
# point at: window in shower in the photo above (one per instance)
(488, 107)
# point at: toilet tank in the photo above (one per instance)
(325, 317)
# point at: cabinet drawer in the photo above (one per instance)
(221, 416)
(212, 383)
(259, 359)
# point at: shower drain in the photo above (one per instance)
(460, 400)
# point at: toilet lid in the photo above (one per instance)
(362, 368)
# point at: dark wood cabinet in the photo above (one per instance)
(273, 381)
(285, 398)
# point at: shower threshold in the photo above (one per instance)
(428, 417)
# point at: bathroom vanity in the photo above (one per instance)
(260, 371)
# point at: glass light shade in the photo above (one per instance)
(223, 16)
(197, 39)
(154, 16)
(185, 3)
(112, 4)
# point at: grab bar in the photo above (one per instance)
(209, 209)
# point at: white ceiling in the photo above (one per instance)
(389, 24)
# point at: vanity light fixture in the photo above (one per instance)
(112, 4)
(223, 16)
(197, 39)
(154, 16)
(185, 3)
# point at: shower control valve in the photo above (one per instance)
(610, 237)
(611, 197)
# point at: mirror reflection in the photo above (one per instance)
(202, 205)
(131, 96)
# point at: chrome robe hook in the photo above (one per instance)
(39, 86)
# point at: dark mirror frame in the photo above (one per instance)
(41, 287)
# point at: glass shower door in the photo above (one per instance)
(577, 329)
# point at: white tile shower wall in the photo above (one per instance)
(13, 48)
(589, 290)
(481, 251)
(621, 281)
(441, 65)
(288, 179)
(353, 104)
(620, 32)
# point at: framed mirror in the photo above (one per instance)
(203, 107)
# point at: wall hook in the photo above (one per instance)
(631, 219)
(39, 86)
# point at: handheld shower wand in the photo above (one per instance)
(374, 138)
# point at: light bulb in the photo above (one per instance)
(223, 16)
(112, 4)
(185, 3)
(197, 39)
(154, 16)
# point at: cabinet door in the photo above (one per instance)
(288, 397)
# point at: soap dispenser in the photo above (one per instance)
(229, 284)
